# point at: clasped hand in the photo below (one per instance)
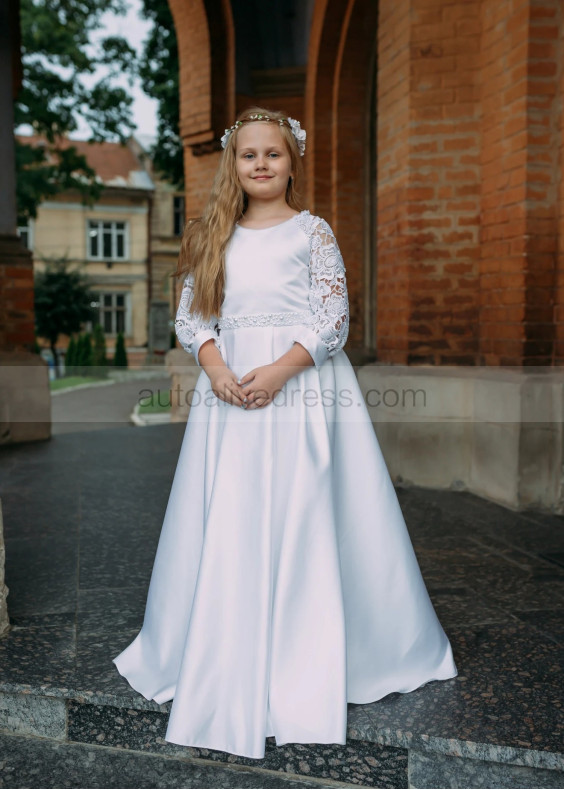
(254, 390)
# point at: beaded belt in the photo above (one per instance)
(265, 319)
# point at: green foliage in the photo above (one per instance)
(99, 359)
(77, 356)
(62, 302)
(120, 356)
(158, 69)
(57, 51)
(70, 357)
(85, 357)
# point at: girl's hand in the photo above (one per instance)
(261, 385)
(224, 385)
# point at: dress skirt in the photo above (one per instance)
(285, 583)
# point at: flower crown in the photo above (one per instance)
(294, 125)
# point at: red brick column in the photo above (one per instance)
(206, 49)
(558, 357)
(522, 94)
(17, 327)
(428, 181)
(505, 130)
(393, 181)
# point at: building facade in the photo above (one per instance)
(127, 243)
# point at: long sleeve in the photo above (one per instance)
(328, 297)
(191, 330)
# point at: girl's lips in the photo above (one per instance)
(262, 178)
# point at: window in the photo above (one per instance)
(25, 233)
(107, 240)
(112, 307)
(178, 215)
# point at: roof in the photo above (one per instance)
(116, 165)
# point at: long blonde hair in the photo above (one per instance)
(205, 238)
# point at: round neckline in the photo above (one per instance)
(269, 227)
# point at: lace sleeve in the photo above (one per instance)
(328, 297)
(191, 330)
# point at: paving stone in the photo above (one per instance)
(82, 517)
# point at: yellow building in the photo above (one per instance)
(127, 244)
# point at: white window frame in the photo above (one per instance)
(100, 223)
(29, 229)
(126, 310)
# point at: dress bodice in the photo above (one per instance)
(291, 273)
(267, 270)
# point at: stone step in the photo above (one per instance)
(30, 762)
(76, 727)
(137, 726)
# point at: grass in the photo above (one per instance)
(160, 406)
(71, 381)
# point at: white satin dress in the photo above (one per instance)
(285, 583)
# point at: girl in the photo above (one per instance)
(284, 584)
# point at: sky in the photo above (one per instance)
(134, 29)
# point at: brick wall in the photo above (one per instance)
(191, 24)
(559, 257)
(17, 327)
(392, 181)
(467, 197)
(442, 218)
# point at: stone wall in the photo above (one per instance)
(4, 619)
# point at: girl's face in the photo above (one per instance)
(263, 161)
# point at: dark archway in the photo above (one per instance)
(340, 100)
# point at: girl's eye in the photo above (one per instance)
(248, 155)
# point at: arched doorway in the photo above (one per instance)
(341, 101)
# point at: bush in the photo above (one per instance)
(99, 353)
(85, 355)
(120, 356)
(70, 357)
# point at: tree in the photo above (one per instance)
(158, 69)
(62, 303)
(99, 359)
(85, 354)
(70, 357)
(57, 53)
(120, 354)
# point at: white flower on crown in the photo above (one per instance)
(299, 134)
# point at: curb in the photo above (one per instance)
(85, 386)
(148, 419)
